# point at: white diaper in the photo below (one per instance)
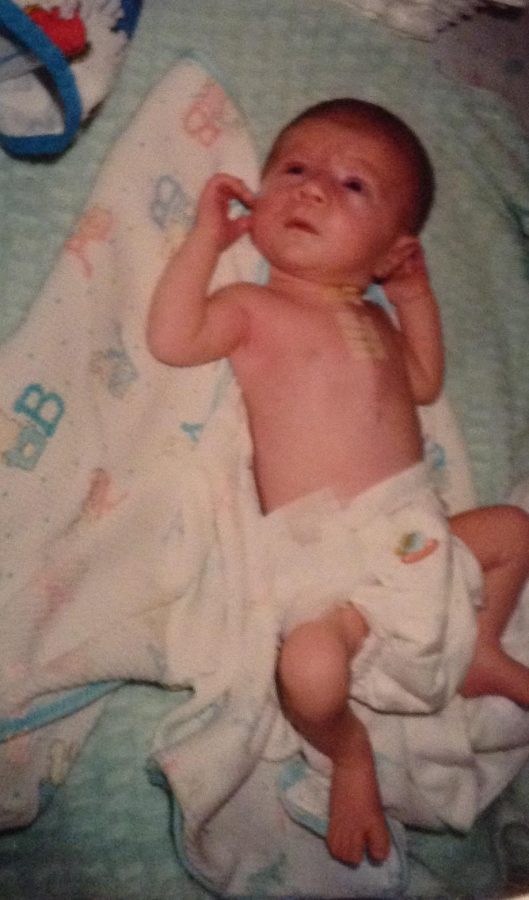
(391, 553)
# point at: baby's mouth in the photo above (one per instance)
(301, 225)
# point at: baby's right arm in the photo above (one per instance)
(185, 326)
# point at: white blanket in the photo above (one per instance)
(128, 511)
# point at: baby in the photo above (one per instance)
(390, 603)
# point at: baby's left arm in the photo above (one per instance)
(408, 288)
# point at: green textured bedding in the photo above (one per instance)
(106, 833)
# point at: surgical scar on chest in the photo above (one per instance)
(361, 336)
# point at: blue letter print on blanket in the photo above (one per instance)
(44, 409)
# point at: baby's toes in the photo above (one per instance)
(378, 842)
(346, 844)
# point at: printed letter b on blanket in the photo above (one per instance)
(44, 411)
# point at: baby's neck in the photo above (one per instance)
(315, 291)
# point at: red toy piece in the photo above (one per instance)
(69, 35)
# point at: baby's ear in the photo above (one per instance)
(405, 248)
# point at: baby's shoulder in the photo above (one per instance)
(240, 291)
(255, 301)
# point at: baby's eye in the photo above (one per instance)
(295, 169)
(354, 184)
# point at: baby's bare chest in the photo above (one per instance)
(319, 354)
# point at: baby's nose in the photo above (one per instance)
(314, 188)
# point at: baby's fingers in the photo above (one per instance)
(237, 227)
(228, 187)
(222, 208)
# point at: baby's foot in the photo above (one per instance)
(493, 672)
(356, 820)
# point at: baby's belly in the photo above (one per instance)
(292, 459)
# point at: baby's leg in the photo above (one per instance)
(498, 536)
(313, 682)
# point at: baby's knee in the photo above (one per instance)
(514, 525)
(522, 519)
(497, 535)
(313, 670)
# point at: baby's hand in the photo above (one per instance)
(409, 280)
(214, 206)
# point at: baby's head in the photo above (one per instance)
(374, 120)
(345, 190)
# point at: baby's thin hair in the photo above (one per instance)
(353, 113)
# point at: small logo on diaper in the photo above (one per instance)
(414, 546)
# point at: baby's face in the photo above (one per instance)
(332, 203)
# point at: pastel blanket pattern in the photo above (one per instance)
(128, 516)
(91, 425)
